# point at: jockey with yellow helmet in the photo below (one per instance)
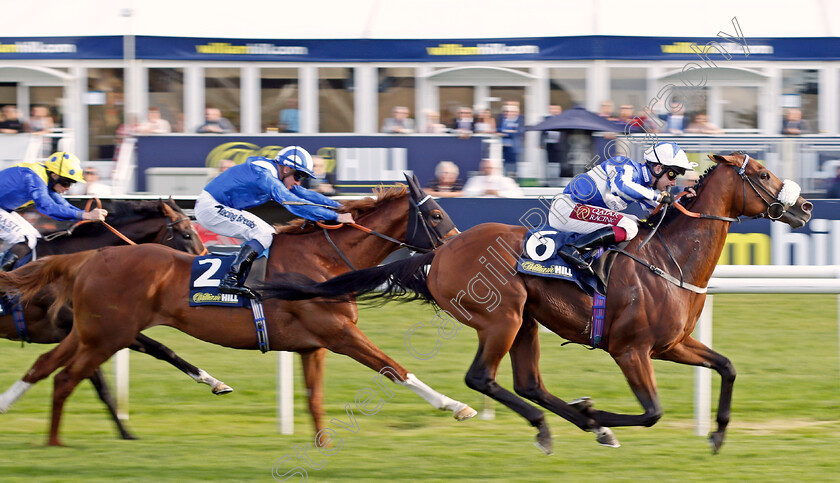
(43, 184)
(592, 203)
(221, 206)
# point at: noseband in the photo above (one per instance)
(786, 197)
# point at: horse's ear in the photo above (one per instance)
(721, 159)
(413, 184)
(165, 208)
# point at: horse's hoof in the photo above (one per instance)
(543, 441)
(716, 441)
(129, 437)
(54, 442)
(221, 388)
(605, 437)
(582, 404)
(465, 413)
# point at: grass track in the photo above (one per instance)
(784, 423)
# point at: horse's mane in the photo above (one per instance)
(121, 213)
(357, 208)
(673, 213)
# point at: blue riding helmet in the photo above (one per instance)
(298, 158)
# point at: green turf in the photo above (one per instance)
(784, 421)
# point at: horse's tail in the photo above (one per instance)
(404, 280)
(60, 270)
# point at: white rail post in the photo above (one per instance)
(121, 375)
(703, 375)
(285, 393)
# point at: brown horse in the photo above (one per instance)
(141, 222)
(152, 283)
(648, 316)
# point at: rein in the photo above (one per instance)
(364, 229)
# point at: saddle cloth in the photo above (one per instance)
(539, 258)
(206, 274)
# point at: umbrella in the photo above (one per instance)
(577, 118)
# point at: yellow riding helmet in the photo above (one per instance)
(66, 165)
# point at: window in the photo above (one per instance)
(105, 112)
(222, 91)
(628, 86)
(800, 90)
(279, 100)
(335, 99)
(166, 92)
(396, 88)
(567, 87)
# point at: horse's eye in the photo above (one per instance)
(765, 175)
(437, 216)
(187, 236)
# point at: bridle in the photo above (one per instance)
(418, 217)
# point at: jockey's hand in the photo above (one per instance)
(345, 218)
(96, 214)
(665, 198)
(690, 193)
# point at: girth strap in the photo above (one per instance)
(663, 274)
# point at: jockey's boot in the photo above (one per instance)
(12, 255)
(233, 282)
(572, 253)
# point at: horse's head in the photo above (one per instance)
(428, 224)
(179, 233)
(765, 195)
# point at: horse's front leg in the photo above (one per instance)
(313, 376)
(693, 352)
(157, 350)
(527, 382)
(638, 370)
(101, 386)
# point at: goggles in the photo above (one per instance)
(66, 182)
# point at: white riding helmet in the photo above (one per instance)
(669, 154)
(298, 158)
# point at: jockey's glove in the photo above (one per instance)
(665, 198)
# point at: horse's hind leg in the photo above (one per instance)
(353, 343)
(527, 382)
(46, 364)
(313, 376)
(82, 365)
(101, 386)
(693, 352)
(492, 346)
(157, 350)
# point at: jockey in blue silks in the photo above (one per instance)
(592, 203)
(221, 206)
(41, 184)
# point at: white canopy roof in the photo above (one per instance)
(418, 19)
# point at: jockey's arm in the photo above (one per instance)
(622, 184)
(313, 196)
(281, 194)
(52, 204)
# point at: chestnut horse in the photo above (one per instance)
(152, 283)
(141, 222)
(647, 317)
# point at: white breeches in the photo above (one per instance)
(227, 221)
(566, 215)
(15, 229)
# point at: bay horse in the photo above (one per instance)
(158, 221)
(152, 283)
(647, 316)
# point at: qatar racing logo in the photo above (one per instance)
(594, 214)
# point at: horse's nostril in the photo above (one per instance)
(807, 207)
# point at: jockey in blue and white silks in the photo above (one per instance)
(41, 184)
(592, 203)
(221, 206)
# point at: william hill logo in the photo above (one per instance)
(204, 298)
(250, 49)
(483, 49)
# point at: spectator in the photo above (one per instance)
(320, 183)
(464, 124)
(433, 124)
(400, 123)
(446, 183)
(491, 183)
(484, 123)
(834, 187)
(702, 125)
(512, 128)
(155, 124)
(128, 129)
(289, 116)
(629, 122)
(94, 186)
(793, 123)
(10, 123)
(225, 165)
(552, 142)
(215, 123)
(676, 121)
(40, 122)
(608, 111)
